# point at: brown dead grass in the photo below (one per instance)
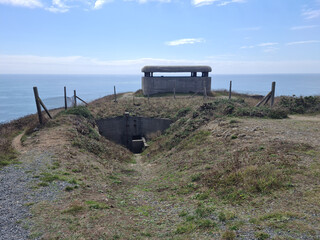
(226, 175)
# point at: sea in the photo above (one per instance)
(17, 97)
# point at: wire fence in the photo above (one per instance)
(58, 102)
(67, 102)
(55, 102)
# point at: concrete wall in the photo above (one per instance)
(153, 85)
(123, 130)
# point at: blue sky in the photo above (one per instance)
(121, 36)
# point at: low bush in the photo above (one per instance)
(309, 104)
(80, 111)
(262, 112)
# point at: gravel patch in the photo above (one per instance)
(19, 190)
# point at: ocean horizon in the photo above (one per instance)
(17, 99)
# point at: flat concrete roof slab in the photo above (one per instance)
(176, 69)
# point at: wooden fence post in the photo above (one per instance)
(36, 96)
(82, 100)
(65, 98)
(115, 93)
(230, 89)
(44, 107)
(75, 98)
(273, 89)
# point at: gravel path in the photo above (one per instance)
(18, 191)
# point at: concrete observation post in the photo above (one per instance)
(195, 83)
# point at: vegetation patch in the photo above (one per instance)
(74, 209)
(208, 163)
(79, 111)
(49, 177)
(228, 235)
(250, 172)
(262, 112)
(309, 104)
(199, 220)
(97, 205)
(276, 217)
(261, 235)
(8, 154)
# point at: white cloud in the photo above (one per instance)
(21, 64)
(232, 1)
(311, 13)
(185, 41)
(58, 6)
(23, 3)
(99, 3)
(199, 3)
(146, 1)
(303, 27)
(303, 42)
(267, 44)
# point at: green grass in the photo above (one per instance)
(261, 235)
(228, 235)
(49, 177)
(97, 205)
(8, 158)
(278, 217)
(79, 111)
(186, 227)
(74, 209)
(217, 180)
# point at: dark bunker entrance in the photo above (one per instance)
(132, 131)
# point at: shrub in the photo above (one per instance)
(80, 111)
(262, 112)
(309, 104)
(182, 112)
(278, 113)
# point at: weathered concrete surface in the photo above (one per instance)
(176, 69)
(194, 83)
(153, 85)
(123, 130)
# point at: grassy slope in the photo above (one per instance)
(7, 132)
(210, 175)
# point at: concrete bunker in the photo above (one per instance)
(131, 131)
(180, 84)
